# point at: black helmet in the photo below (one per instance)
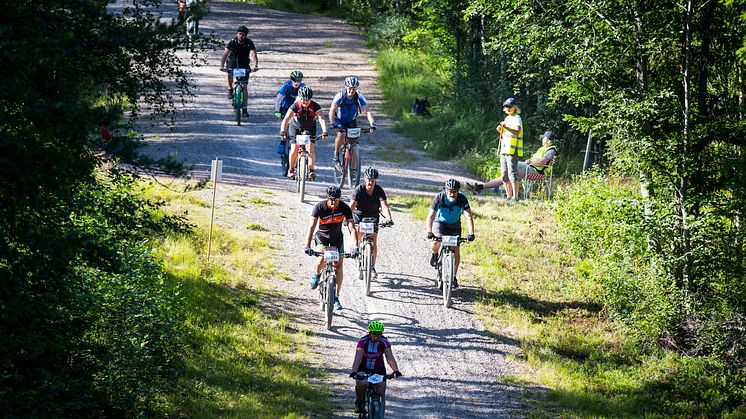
(453, 184)
(333, 192)
(510, 102)
(296, 75)
(549, 135)
(243, 29)
(305, 93)
(371, 173)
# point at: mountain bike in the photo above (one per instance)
(373, 403)
(447, 265)
(328, 281)
(240, 86)
(301, 165)
(349, 166)
(365, 259)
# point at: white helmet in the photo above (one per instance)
(352, 81)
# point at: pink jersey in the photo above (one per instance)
(373, 353)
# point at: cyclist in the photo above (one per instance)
(303, 114)
(369, 354)
(330, 214)
(239, 52)
(288, 93)
(347, 103)
(367, 201)
(444, 219)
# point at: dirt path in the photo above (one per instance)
(451, 364)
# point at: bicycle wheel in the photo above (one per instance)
(284, 161)
(237, 102)
(353, 168)
(367, 259)
(340, 172)
(375, 409)
(303, 167)
(331, 280)
(449, 265)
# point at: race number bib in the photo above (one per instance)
(375, 379)
(302, 139)
(367, 228)
(450, 240)
(239, 72)
(353, 132)
(331, 254)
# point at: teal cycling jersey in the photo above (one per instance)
(448, 212)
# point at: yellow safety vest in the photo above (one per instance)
(510, 144)
(540, 155)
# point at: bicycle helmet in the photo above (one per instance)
(371, 173)
(296, 75)
(453, 184)
(375, 327)
(510, 102)
(352, 81)
(333, 192)
(305, 93)
(243, 29)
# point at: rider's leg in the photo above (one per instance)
(339, 271)
(375, 249)
(382, 392)
(293, 156)
(435, 246)
(311, 156)
(360, 387)
(338, 142)
(457, 258)
(245, 96)
(320, 265)
(230, 81)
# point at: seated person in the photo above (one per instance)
(538, 164)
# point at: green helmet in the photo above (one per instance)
(375, 327)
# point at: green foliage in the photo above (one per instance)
(387, 30)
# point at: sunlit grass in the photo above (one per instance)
(532, 292)
(242, 359)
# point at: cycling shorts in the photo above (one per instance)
(348, 124)
(319, 244)
(293, 131)
(440, 229)
(356, 219)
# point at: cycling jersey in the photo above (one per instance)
(368, 205)
(305, 118)
(448, 212)
(331, 221)
(289, 94)
(372, 361)
(348, 108)
(239, 57)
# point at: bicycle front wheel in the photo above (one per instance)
(237, 103)
(353, 168)
(303, 166)
(367, 259)
(331, 280)
(375, 409)
(449, 266)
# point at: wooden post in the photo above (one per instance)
(216, 174)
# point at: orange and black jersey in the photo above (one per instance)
(331, 221)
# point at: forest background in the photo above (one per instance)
(658, 225)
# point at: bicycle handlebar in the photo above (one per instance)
(460, 239)
(347, 255)
(363, 375)
(250, 70)
(365, 130)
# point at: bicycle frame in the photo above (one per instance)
(350, 158)
(328, 281)
(365, 244)
(447, 265)
(373, 400)
(301, 164)
(240, 89)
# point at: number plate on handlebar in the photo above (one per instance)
(331, 255)
(353, 132)
(375, 379)
(449, 240)
(239, 72)
(367, 228)
(302, 139)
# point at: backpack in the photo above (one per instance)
(343, 102)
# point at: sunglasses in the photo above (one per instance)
(376, 334)
(334, 200)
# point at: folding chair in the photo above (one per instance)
(542, 180)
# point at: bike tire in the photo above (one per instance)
(449, 265)
(322, 291)
(375, 409)
(339, 174)
(303, 166)
(331, 280)
(367, 259)
(353, 168)
(284, 161)
(237, 102)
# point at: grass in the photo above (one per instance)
(532, 292)
(312, 7)
(241, 358)
(395, 153)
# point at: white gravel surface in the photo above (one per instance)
(452, 366)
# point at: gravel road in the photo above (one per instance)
(452, 366)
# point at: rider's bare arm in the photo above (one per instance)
(369, 115)
(311, 229)
(390, 359)
(429, 220)
(286, 121)
(277, 102)
(351, 227)
(353, 205)
(469, 221)
(358, 359)
(332, 112)
(226, 53)
(322, 121)
(385, 205)
(252, 56)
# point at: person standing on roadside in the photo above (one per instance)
(239, 53)
(511, 148)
